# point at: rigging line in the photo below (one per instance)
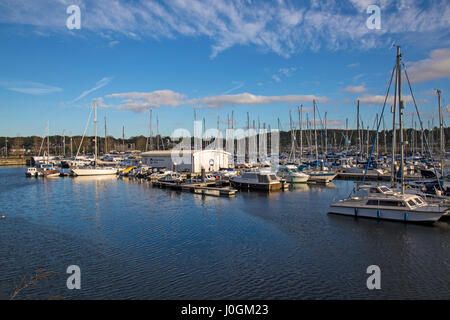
(84, 133)
(378, 128)
(421, 127)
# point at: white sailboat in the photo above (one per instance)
(94, 170)
(322, 174)
(383, 203)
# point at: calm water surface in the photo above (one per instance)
(133, 241)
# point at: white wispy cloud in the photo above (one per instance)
(216, 102)
(379, 99)
(282, 27)
(34, 88)
(355, 89)
(353, 65)
(436, 66)
(100, 84)
(140, 102)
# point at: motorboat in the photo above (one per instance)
(31, 172)
(381, 202)
(291, 174)
(172, 177)
(47, 170)
(257, 180)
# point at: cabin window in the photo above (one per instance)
(373, 190)
(390, 203)
(263, 178)
(372, 202)
(418, 200)
(411, 203)
(273, 177)
(384, 189)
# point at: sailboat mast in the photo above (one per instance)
(315, 133)
(394, 126)
(300, 120)
(151, 131)
(95, 138)
(346, 136)
(326, 134)
(48, 142)
(357, 128)
(441, 131)
(106, 139)
(400, 119)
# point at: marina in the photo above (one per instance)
(235, 151)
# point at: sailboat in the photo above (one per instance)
(94, 170)
(322, 174)
(383, 203)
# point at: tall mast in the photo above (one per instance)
(394, 126)
(384, 137)
(71, 150)
(315, 133)
(326, 134)
(357, 128)
(292, 135)
(106, 139)
(123, 138)
(376, 134)
(151, 131)
(95, 138)
(48, 142)
(400, 119)
(300, 121)
(64, 143)
(441, 132)
(346, 135)
(157, 133)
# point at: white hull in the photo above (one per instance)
(387, 214)
(94, 171)
(321, 178)
(296, 178)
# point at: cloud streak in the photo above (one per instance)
(140, 102)
(100, 84)
(33, 88)
(217, 102)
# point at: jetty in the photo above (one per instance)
(198, 188)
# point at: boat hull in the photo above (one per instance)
(257, 186)
(297, 179)
(388, 214)
(94, 172)
(321, 178)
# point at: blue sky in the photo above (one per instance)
(265, 58)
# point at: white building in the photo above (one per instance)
(191, 160)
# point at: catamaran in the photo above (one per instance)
(94, 170)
